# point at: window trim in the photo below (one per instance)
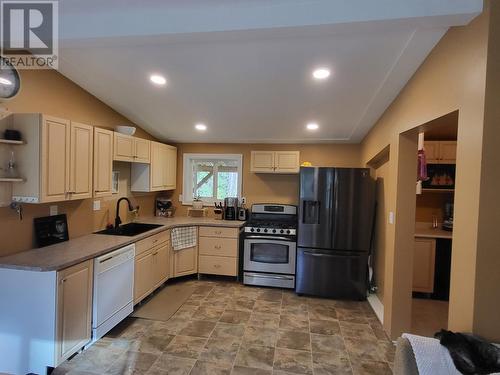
(187, 183)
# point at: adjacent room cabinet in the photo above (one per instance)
(74, 309)
(131, 149)
(152, 264)
(424, 264)
(56, 161)
(440, 152)
(275, 162)
(103, 162)
(160, 174)
(218, 251)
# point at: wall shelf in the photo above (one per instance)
(430, 190)
(10, 142)
(7, 179)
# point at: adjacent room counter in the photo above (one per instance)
(66, 254)
(425, 230)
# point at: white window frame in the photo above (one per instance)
(187, 177)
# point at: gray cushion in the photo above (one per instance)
(404, 361)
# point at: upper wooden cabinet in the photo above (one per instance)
(132, 149)
(440, 152)
(56, 161)
(160, 174)
(103, 162)
(275, 161)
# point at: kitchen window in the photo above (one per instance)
(211, 177)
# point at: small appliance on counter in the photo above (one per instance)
(230, 208)
(242, 213)
(164, 207)
(50, 230)
(448, 217)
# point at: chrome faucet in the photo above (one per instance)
(118, 221)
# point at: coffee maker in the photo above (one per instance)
(448, 217)
(163, 207)
(230, 208)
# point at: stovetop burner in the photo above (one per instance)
(272, 219)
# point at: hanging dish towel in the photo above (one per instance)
(183, 237)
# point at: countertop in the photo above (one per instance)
(65, 254)
(426, 230)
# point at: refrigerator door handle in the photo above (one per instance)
(323, 255)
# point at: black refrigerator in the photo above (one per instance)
(336, 214)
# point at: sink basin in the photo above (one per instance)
(130, 229)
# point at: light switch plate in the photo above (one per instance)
(391, 217)
(53, 210)
(180, 198)
(97, 205)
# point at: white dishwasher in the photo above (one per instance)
(113, 289)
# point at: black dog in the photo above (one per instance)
(470, 354)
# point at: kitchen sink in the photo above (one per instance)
(130, 229)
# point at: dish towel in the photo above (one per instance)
(183, 237)
(432, 358)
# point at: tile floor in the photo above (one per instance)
(228, 328)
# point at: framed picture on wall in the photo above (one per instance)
(116, 178)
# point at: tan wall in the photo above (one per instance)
(51, 93)
(452, 77)
(258, 187)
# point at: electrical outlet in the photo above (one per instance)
(243, 200)
(391, 217)
(180, 198)
(53, 210)
(97, 205)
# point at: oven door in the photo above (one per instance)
(269, 254)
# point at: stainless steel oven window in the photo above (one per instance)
(275, 253)
(274, 261)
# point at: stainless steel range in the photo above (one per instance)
(270, 247)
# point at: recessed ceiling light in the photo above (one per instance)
(321, 73)
(158, 79)
(200, 127)
(312, 126)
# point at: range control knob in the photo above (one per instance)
(274, 230)
(252, 230)
(282, 231)
(288, 231)
(265, 230)
(258, 229)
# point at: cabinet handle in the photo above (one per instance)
(63, 281)
(155, 253)
(218, 247)
(218, 232)
(216, 265)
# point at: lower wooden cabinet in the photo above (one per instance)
(74, 309)
(218, 248)
(217, 265)
(424, 265)
(185, 261)
(152, 265)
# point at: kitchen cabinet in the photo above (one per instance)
(218, 251)
(424, 256)
(151, 268)
(440, 152)
(160, 174)
(56, 160)
(74, 309)
(103, 162)
(131, 149)
(185, 261)
(275, 162)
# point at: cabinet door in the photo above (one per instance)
(432, 152)
(423, 265)
(81, 155)
(287, 161)
(171, 167)
(142, 150)
(74, 309)
(103, 162)
(54, 159)
(161, 264)
(262, 161)
(124, 147)
(185, 261)
(448, 152)
(143, 276)
(157, 163)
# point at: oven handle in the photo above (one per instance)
(264, 276)
(268, 238)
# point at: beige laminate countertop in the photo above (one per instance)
(426, 230)
(62, 255)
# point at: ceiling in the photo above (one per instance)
(244, 67)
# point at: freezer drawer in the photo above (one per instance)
(334, 274)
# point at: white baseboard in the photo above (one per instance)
(377, 306)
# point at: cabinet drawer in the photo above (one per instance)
(152, 241)
(216, 265)
(218, 232)
(227, 247)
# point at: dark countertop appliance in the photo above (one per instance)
(269, 246)
(336, 213)
(50, 230)
(230, 208)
